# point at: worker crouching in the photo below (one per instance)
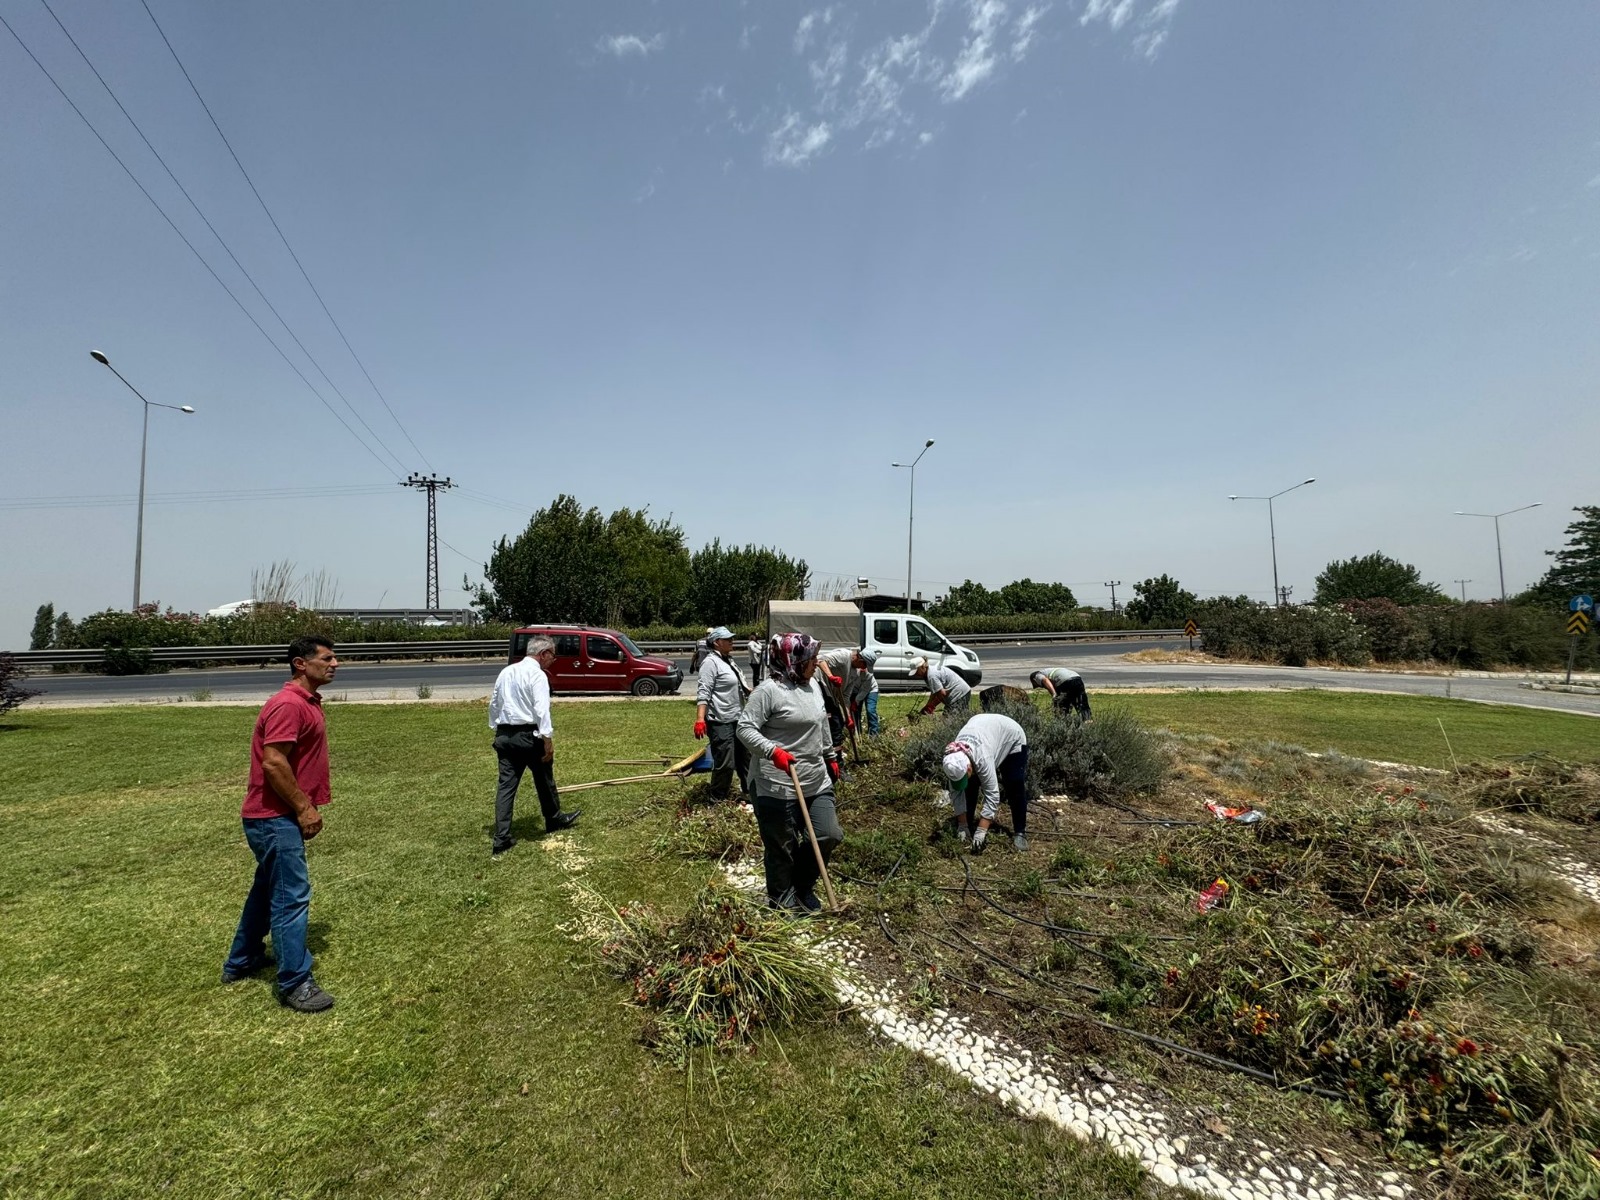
(989, 756)
(784, 726)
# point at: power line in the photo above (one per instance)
(185, 240)
(281, 236)
(220, 239)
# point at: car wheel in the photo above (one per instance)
(646, 687)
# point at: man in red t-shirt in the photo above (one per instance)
(288, 785)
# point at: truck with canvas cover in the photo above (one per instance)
(899, 638)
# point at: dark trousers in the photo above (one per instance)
(1012, 774)
(520, 748)
(835, 720)
(728, 756)
(279, 902)
(1071, 697)
(791, 866)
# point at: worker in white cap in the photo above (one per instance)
(944, 685)
(989, 755)
(719, 699)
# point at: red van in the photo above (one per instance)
(599, 660)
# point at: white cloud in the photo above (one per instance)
(1152, 27)
(1022, 31)
(1114, 13)
(794, 143)
(809, 25)
(976, 61)
(625, 45)
(924, 138)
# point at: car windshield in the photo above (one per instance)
(632, 649)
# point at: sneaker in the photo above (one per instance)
(256, 964)
(1020, 842)
(788, 904)
(809, 902)
(308, 998)
(499, 848)
(562, 821)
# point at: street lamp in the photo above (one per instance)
(144, 441)
(911, 519)
(1495, 517)
(1277, 595)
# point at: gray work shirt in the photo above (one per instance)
(943, 679)
(990, 739)
(1060, 676)
(719, 688)
(856, 683)
(780, 713)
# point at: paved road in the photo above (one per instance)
(1100, 663)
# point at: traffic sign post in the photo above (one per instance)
(1190, 629)
(1577, 626)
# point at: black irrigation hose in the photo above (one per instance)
(1062, 930)
(1226, 1064)
(1007, 964)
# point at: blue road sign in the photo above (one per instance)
(1583, 604)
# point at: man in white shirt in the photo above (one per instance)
(519, 714)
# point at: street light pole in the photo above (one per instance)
(911, 516)
(1498, 554)
(1272, 527)
(144, 446)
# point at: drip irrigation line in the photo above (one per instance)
(1151, 1039)
(281, 237)
(1062, 930)
(227, 249)
(127, 170)
(1007, 964)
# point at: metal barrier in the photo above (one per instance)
(497, 647)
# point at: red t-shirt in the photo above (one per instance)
(292, 720)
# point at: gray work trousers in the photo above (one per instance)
(791, 867)
(728, 755)
(520, 748)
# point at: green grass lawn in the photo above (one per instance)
(1392, 728)
(475, 1050)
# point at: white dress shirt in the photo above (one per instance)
(521, 696)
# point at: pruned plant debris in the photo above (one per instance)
(1377, 944)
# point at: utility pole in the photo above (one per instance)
(1463, 583)
(1113, 584)
(433, 485)
(1283, 595)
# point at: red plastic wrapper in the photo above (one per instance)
(1241, 816)
(1212, 896)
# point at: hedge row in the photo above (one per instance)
(1468, 636)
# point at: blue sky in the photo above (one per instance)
(1120, 258)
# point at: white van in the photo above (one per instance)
(897, 637)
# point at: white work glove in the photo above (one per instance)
(962, 835)
(978, 839)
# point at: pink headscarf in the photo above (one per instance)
(789, 652)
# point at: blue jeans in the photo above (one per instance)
(872, 714)
(279, 902)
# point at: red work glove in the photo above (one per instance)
(849, 721)
(781, 758)
(699, 729)
(833, 769)
(836, 681)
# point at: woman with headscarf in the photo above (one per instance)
(785, 725)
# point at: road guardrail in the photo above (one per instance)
(496, 648)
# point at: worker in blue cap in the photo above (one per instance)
(719, 699)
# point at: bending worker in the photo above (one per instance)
(719, 699)
(846, 679)
(946, 686)
(784, 726)
(989, 755)
(1066, 689)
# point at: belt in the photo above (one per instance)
(514, 728)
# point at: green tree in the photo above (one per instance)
(1375, 577)
(652, 582)
(560, 568)
(1026, 596)
(967, 599)
(65, 634)
(44, 625)
(1576, 571)
(1161, 601)
(732, 584)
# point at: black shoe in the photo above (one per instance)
(308, 998)
(809, 902)
(562, 821)
(500, 848)
(256, 964)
